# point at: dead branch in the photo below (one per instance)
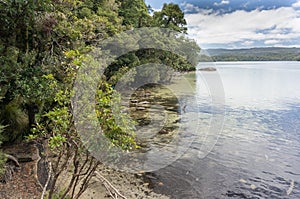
(47, 182)
(87, 179)
(75, 164)
(109, 186)
(79, 172)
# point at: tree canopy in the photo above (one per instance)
(170, 17)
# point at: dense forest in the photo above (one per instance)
(43, 43)
(253, 54)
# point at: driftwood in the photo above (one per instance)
(113, 192)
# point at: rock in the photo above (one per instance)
(148, 94)
(160, 184)
(140, 108)
(207, 69)
(134, 101)
(144, 102)
(163, 131)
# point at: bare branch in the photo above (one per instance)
(106, 182)
(47, 182)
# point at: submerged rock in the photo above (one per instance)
(207, 69)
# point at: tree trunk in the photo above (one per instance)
(32, 109)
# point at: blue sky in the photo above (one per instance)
(240, 23)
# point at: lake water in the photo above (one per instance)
(256, 154)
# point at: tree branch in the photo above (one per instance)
(47, 182)
(107, 183)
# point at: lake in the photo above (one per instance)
(256, 153)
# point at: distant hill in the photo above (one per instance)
(252, 54)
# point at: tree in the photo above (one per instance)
(24, 42)
(170, 17)
(135, 13)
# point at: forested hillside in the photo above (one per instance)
(255, 54)
(43, 43)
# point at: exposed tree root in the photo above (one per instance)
(9, 168)
(13, 159)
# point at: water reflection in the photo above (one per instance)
(261, 85)
(258, 153)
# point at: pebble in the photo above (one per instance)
(160, 184)
(253, 186)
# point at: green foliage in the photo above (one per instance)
(135, 13)
(16, 120)
(43, 43)
(123, 64)
(2, 156)
(124, 136)
(57, 122)
(170, 17)
(145, 56)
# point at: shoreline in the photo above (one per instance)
(129, 185)
(26, 179)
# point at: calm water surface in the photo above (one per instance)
(257, 154)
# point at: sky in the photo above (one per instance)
(240, 23)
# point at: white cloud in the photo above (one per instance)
(191, 8)
(239, 26)
(248, 43)
(297, 4)
(188, 7)
(272, 41)
(287, 46)
(223, 2)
